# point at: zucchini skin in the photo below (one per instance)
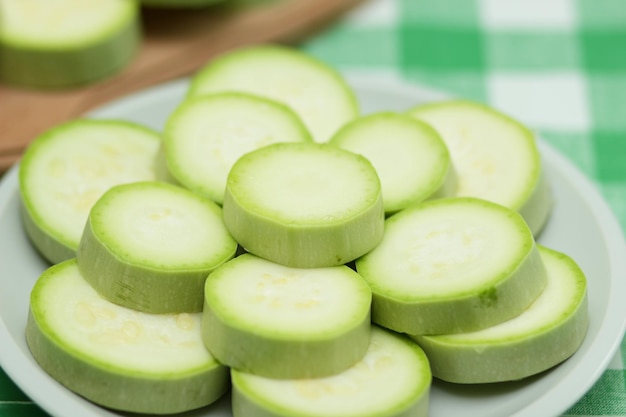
(125, 392)
(248, 402)
(48, 245)
(283, 359)
(113, 387)
(521, 355)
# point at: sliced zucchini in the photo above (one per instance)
(316, 91)
(392, 380)
(411, 159)
(544, 335)
(282, 322)
(117, 357)
(150, 246)
(65, 170)
(62, 43)
(496, 157)
(452, 265)
(304, 204)
(206, 135)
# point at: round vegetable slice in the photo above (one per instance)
(316, 91)
(392, 380)
(452, 265)
(304, 204)
(411, 159)
(544, 335)
(65, 170)
(150, 246)
(62, 43)
(282, 322)
(496, 158)
(206, 135)
(118, 357)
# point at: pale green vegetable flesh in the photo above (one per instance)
(206, 135)
(411, 159)
(544, 335)
(65, 170)
(282, 322)
(304, 204)
(392, 380)
(117, 357)
(496, 158)
(62, 43)
(316, 91)
(150, 246)
(452, 265)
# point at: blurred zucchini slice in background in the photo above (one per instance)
(64, 43)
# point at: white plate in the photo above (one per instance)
(582, 226)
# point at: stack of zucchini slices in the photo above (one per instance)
(316, 260)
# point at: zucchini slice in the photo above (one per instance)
(452, 265)
(206, 135)
(63, 43)
(304, 204)
(411, 159)
(66, 169)
(392, 380)
(496, 158)
(150, 246)
(282, 322)
(544, 335)
(316, 91)
(117, 357)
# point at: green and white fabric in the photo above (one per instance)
(557, 65)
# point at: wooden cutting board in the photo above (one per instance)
(176, 43)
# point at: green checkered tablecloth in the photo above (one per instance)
(557, 65)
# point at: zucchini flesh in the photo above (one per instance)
(304, 204)
(65, 170)
(392, 380)
(283, 322)
(150, 246)
(62, 43)
(316, 91)
(206, 135)
(117, 357)
(411, 159)
(496, 157)
(544, 335)
(452, 265)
